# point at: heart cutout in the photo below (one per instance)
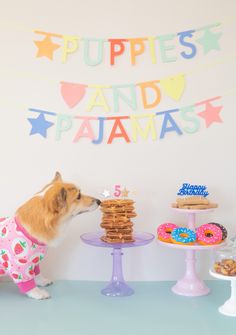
(173, 86)
(72, 93)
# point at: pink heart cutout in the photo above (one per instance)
(72, 93)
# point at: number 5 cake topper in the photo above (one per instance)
(118, 192)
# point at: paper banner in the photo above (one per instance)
(170, 46)
(169, 124)
(85, 129)
(209, 41)
(186, 35)
(117, 48)
(64, 123)
(40, 125)
(98, 99)
(174, 86)
(137, 47)
(166, 45)
(137, 129)
(118, 129)
(70, 45)
(210, 113)
(46, 47)
(153, 86)
(183, 120)
(87, 57)
(188, 114)
(118, 94)
(72, 93)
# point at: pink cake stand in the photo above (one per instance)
(191, 285)
(117, 286)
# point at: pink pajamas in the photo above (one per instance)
(20, 254)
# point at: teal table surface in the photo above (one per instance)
(77, 307)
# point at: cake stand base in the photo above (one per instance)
(117, 286)
(190, 288)
(190, 285)
(117, 289)
(229, 308)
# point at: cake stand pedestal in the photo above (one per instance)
(117, 286)
(191, 285)
(229, 307)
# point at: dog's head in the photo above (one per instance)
(66, 199)
(48, 213)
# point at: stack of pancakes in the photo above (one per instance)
(194, 202)
(116, 220)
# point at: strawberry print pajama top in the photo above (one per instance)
(20, 254)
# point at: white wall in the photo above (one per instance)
(154, 169)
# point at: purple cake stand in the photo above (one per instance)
(191, 285)
(117, 287)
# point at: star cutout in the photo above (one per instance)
(124, 192)
(209, 41)
(106, 193)
(40, 125)
(211, 114)
(46, 47)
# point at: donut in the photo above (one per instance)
(164, 232)
(223, 229)
(183, 235)
(209, 234)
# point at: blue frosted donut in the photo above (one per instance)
(183, 236)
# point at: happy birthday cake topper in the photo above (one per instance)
(188, 189)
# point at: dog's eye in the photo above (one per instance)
(78, 196)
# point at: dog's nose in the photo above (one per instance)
(98, 202)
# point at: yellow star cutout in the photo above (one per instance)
(46, 47)
(124, 192)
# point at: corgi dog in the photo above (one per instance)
(37, 224)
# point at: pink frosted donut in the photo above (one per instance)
(164, 232)
(209, 234)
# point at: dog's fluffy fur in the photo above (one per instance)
(47, 214)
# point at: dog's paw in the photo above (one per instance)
(42, 281)
(38, 294)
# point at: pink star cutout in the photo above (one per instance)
(211, 114)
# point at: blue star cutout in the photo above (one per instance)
(209, 41)
(40, 125)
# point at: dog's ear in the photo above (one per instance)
(57, 177)
(59, 201)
